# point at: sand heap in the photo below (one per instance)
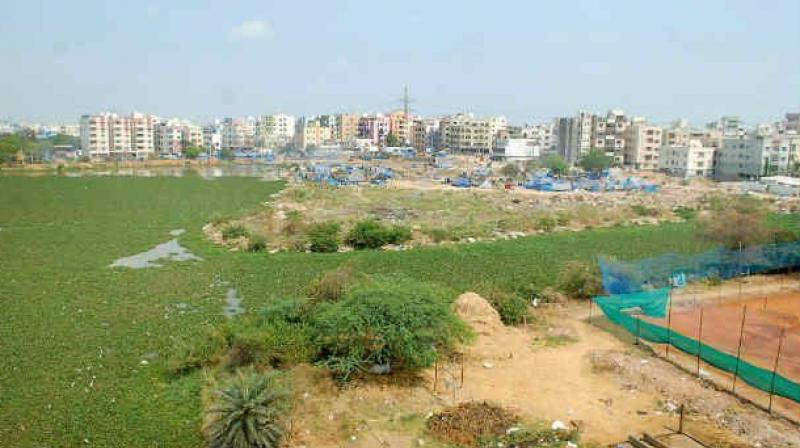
(476, 311)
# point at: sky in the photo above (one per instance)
(528, 60)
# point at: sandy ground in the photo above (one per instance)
(567, 370)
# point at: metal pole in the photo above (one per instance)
(638, 327)
(739, 348)
(700, 341)
(669, 323)
(680, 419)
(462, 370)
(775, 368)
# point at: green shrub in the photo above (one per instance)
(324, 237)
(513, 309)
(580, 280)
(641, 210)
(686, 213)
(234, 231)
(389, 320)
(332, 285)
(257, 243)
(295, 223)
(538, 436)
(398, 235)
(438, 234)
(203, 351)
(370, 234)
(546, 223)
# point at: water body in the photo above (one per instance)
(233, 304)
(170, 251)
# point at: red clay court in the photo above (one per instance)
(762, 328)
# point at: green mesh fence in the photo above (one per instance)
(614, 308)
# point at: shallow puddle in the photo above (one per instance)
(171, 251)
(233, 304)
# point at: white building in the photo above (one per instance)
(465, 133)
(691, 160)
(274, 130)
(642, 146)
(112, 135)
(608, 134)
(521, 149)
(238, 133)
(212, 138)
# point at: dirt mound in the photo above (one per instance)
(478, 313)
(468, 423)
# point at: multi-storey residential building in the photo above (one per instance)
(112, 135)
(542, 134)
(791, 123)
(238, 133)
(608, 134)
(752, 155)
(347, 125)
(465, 133)
(642, 144)
(690, 160)
(274, 130)
(425, 134)
(519, 149)
(212, 138)
(311, 132)
(573, 136)
(374, 128)
(96, 134)
(169, 137)
(400, 126)
(727, 126)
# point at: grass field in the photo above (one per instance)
(74, 331)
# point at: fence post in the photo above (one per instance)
(739, 348)
(680, 419)
(669, 323)
(775, 368)
(638, 329)
(462, 369)
(700, 341)
(435, 374)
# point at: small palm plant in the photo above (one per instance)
(248, 412)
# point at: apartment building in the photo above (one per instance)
(238, 133)
(608, 134)
(741, 157)
(425, 134)
(727, 126)
(374, 128)
(542, 134)
(642, 146)
(274, 130)
(212, 138)
(347, 125)
(573, 136)
(690, 160)
(400, 126)
(519, 149)
(119, 136)
(169, 137)
(465, 133)
(312, 132)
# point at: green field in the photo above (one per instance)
(74, 331)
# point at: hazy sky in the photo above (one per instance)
(529, 60)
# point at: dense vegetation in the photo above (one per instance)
(87, 349)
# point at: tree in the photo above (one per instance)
(389, 321)
(392, 140)
(580, 280)
(248, 412)
(192, 152)
(734, 223)
(510, 170)
(556, 164)
(595, 161)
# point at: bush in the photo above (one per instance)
(546, 223)
(206, 350)
(686, 213)
(539, 436)
(248, 411)
(438, 234)
(370, 234)
(234, 231)
(580, 280)
(641, 210)
(389, 320)
(736, 222)
(257, 244)
(513, 309)
(295, 223)
(324, 237)
(332, 285)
